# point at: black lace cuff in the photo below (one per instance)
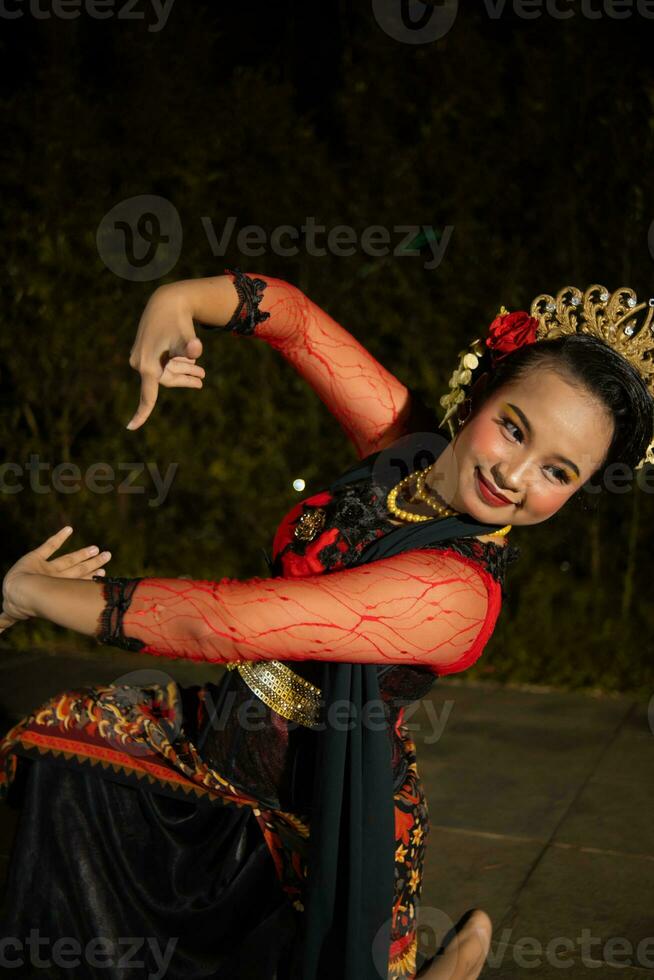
(247, 314)
(117, 594)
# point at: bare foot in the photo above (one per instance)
(464, 956)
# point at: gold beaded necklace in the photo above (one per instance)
(423, 494)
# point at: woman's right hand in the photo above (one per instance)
(166, 348)
(84, 563)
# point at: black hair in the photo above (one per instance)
(586, 361)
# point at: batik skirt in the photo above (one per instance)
(134, 858)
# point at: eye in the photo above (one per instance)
(507, 422)
(557, 472)
(560, 475)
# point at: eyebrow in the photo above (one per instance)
(525, 421)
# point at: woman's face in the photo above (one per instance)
(537, 441)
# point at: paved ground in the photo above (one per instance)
(540, 805)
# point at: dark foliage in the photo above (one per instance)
(531, 140)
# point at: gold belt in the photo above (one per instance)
(290, 695)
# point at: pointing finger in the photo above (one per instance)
(149, 392)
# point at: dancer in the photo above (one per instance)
(301, 850)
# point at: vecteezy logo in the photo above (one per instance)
(140, 239)
(434, 930)
(143, 693)
(414, 22)
(409, 453)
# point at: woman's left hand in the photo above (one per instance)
(81, 564)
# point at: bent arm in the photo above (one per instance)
(372, 406)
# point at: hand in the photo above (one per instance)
(166, 349)
(81, 564)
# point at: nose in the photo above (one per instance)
(509, 481)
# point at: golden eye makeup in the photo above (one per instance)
(517, 417)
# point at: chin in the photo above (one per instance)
(489, 515)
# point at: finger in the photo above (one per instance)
(73, 558)
(187, 367)
(182, 347)
(183, 360)
(53, 543)
(149, 392)
(89, 567)
(194, 348)
(181, 381)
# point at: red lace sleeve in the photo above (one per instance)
(423, 607)
(372, 406)
(494, 591)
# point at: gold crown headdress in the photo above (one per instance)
(616, 318)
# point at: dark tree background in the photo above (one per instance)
(531, 140)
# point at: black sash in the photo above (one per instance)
(347, 919)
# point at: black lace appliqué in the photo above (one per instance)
(117, 594)
(494, 557)
(247, 314)
(356, 510)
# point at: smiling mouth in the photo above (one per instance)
(488, 492)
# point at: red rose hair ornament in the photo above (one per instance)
(508, 332)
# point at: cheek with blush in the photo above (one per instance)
(544, 499)
(484, 443)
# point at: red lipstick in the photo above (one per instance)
(487, 493)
